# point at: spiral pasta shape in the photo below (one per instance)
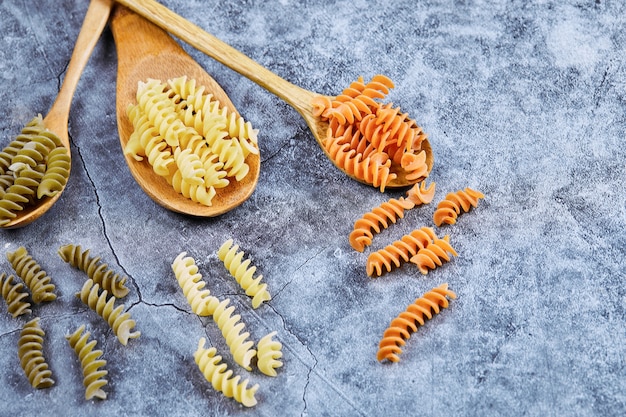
(190, 280)
(220, 376)
(19, 194)
(30, 352)
(118, 320)
(454, 204)
(188, 138)
(268, 353)
(93, 376)
(433, 255)
(22, 166)
(98, 271)
(243, 273)
(375, 169)
(241, 347)
(400, 251)
(406, 323)
(389, 211)
(35, 278)
(57, 173)
(361, 127)
(14, 296)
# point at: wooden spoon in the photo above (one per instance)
(57, 118)
(297, 97)
(146, 51)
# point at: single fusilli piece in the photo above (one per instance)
(219, 376)
(243, 273)
(406, 323)
(99, 272)
(268, 353)
(433, 255)
(118, 320)
(36, 279)
(57, 173)
(389, 211)
(241, 347)
(30, 352)
(93, 376)
(14, 296)
(400, 251)
(190, 280)
(449, 208)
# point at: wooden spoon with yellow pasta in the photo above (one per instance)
(299, 98)
(170, 143)
(56, 121)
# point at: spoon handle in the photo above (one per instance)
(95, 20)
(297, 97)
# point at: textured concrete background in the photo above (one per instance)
(525, 101)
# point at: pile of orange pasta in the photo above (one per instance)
(369, 140)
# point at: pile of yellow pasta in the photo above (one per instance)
(34, 166)
(189, 138)
(41, 289)
(267, 352)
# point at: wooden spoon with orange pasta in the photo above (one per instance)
(145, 52)
(299, 98)
(57, 118)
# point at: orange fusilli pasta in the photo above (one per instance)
(388, 212)
(454, 204)
(399, 251)
(405, 323)
(433, 254)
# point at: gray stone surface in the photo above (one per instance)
(525, 101)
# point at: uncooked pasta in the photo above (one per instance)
(243, 272)
(388, 212)
(454, 204)
(88, 356)
(400, 251)
(30, 352)
(220, 377)
(24, 163)
(14, 296)
(35, 278)
(366, 136)
(190, 139)
(406, 323)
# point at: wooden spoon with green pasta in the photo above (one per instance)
(57, 118)
(144, 52)
(299, 98)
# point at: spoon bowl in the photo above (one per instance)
(300, 99)
(57, 118)
(146, 51)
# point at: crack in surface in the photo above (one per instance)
(306, 261)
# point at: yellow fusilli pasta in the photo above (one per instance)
(118, 320)
(99, 272)
(241, 347)
(219, 376)
(405, 323)
(14, 296)
(268, 353)
(243, 273)
(189, 139)
(30, 352)
(36, 279)
(190, 280)
(93, 376)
